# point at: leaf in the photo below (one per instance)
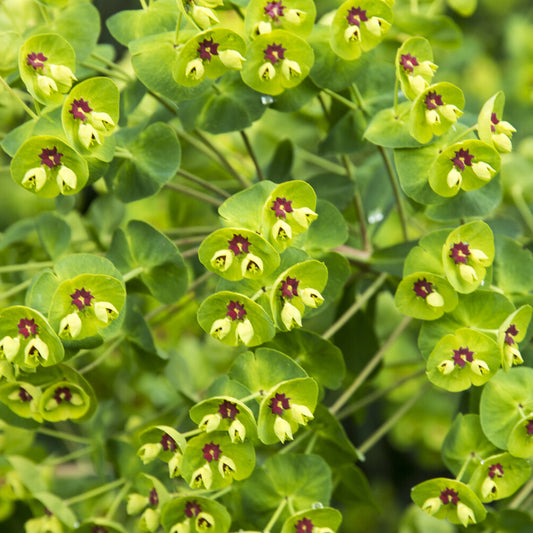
(513, 266)
(346, 135)
(438, 29)
(328, 231)
(280, 166)
(54, 234)
(155, 158)
(389, 128)
(57, 507)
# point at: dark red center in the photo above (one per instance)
(207, 48)
(279, 403)
(153, 498)
(510, 332)
(27, 327)
(423, 288)
(461, 353)
(408, 62)
(449, 496)
(355, 16)
(192, 509)
(274, 52)
(304, 526)
(168, 443)
(228, 410)
(274, 10)
(239, 244)
(459, 252)
(81, 298)
(281, 206)
(50, 157)
(289, 287)
(462, 158)
(24, 395)
(78, 108)
(433, 100)
(236, 310)
(36, 60)
(211, 452)
(62, 394)
(495, 470)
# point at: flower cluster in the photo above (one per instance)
(50, 78)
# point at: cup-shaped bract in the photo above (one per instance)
(491, 127)
(465, 358)
(425, 295)
(224, 413)
(467, 165)
(288, 211)
(193, 511)
(510, 333)
(506, 411)
(90, 115)
(499, 476)
(165, 443)
(285, 408)
(46, 64)
(414, 66)
(358, 26)
(22, 398)
(100, 525)
(212, 461)
(435, 110)
(451, 499)
(48, 166)
(297, 288)
(84, 306)
(27, 339)
(466, 254)
(296, 16)
(235, 319)
(276, 61)
(236, 253)
(323, 520)
(64, 400)
(209, 54)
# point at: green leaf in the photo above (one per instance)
(54, 234)
(320, 358)
(324, 517)
(389, 128)
(465, 441)
(438, 29)
(512, 266)
(328, 231)
(506, 403)
(154, 157)
(346, 135)
(129, 25)
(57, 507)
(280, 165)
(465, 8)
(427, 255)
(30, 474)
(264, 369)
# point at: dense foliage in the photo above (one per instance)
(266, 266)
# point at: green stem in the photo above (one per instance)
(119, 498)
(190, 253)
(389, 424)
(69, 457)
(191, 433)
(18, 98)
(396, 91)
(260, 292)
(519, 499)
(105, 71)
(355, 306)
(143, 4)
(222, 159)
(311, 444)
(298, 440)
(132, 273)
(204, 183)
(521, 205)
(111, 65)
(464, 467)
(193, 194)
(321, 162)
(62, 435)
(376, 395)
(353, 254)
(367, 370)
(345, 101)
(178, 28)
(395, 190)
(189, 230)
(358, 203)
(354, 90)
(95, 492)
(25, 266)
(250, 150)
(276, 515)
(251, 397)
(186, 241)
(291, 507)
(15, 290)
(45, 15)
(112, 347)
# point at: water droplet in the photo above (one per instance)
(375, 216)
(267, 100)
(317, 505)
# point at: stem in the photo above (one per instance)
(105, 71)
(321, 162)
(355, 306)
(190, 253)
(358, 203)
(367, 370)
(276, 515)
(354, 90)
(16, 289)
(18, 98)
(519, 499)
(190, 230)
(186, 241)
(464, 133)
(143, 4)
(132, 273)
(194, 194)
(178, 27)
(396, 90)
(26, 266)
(345, 101)
(111, 64)
(192, 433)
(102, 357)
(63, 435)
(222, 159)
(203, 183)
(301, 437)
(251, 397)
(395, 190)
(69, 457)
(250, 149)
(311, 444)
(521, 205)
(377, 394)
(95, 492)
(389, 424)
(119, 498)
(464, 467)
(259, 293)
(359, 256)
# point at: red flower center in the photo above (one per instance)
(78, 108)
(274, 10)
(236, 310)
(228, 410)
(279, 403)
(423, 288)
(462, 158)
(495, 470)
(408, 62)
(36, 60)
(239, 244)
(289, 287)
(304, 526)
(459, 252)
(168, 443)
(154, 498)
(207, 48)
(27, 327)
(50, 157)
(449, 496)
(81, 298)
(510, 332)
(460, 353)
(274, 52)
(281, 206)
(62, 394)
(24, 395)
(192, 509)
(355, 16)
(433, 100)
(211, 452)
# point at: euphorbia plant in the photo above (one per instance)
(211, 230)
